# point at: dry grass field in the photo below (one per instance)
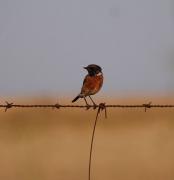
(46, 144)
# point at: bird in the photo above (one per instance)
(92, 83)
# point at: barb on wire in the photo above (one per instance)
(147, 106)
(101, 107)
(8, 106)
(57, 106)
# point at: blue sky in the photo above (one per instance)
(44, 45)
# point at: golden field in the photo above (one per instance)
(47, 144)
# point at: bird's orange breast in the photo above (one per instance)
(92, 84)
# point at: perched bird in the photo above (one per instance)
(91, 84)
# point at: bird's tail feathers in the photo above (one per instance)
(76, 98)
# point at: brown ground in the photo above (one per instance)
(46, 144)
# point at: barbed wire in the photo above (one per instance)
(146, 106)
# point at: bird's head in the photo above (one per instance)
(93, 69)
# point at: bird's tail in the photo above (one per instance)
(76, 98)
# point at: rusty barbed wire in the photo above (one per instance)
(146, 106)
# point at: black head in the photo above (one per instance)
(93, 69)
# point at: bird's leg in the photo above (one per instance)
(95, 105)
(87, 105)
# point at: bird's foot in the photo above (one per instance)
(87, 106)
(94, 106)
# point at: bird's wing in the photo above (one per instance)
(86, 85)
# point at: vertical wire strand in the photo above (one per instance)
(92, 142)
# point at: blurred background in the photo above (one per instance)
(43, 47)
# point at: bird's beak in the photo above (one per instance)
(85, 67)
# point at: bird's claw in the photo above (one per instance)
(94, 106)
(88, 106)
